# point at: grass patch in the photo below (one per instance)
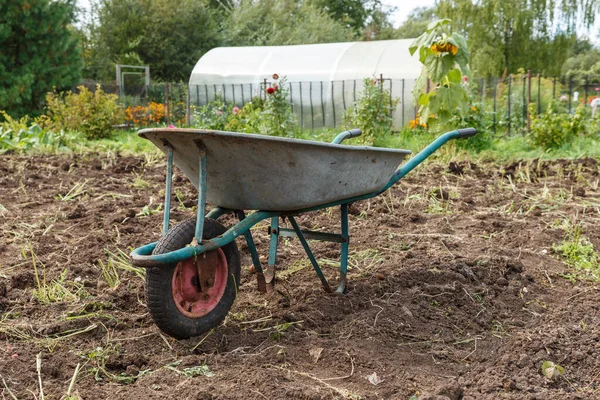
(579, 253)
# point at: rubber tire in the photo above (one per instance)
(159, 295)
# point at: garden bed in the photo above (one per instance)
(454, 289)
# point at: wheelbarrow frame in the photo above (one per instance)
(143, 257)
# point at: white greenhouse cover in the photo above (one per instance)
(324, 80)
(310, 62)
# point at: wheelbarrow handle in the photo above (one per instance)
(427, 151)
(467, 132)
(352, 133)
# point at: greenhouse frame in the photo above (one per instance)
(324, 79)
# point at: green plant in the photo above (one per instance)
(93, 114)
(578, 252)
(445, 60)
(247, 118)
(213, 115)
(34, 138)
(475, 117)
(277, 118)
(58, 290)
(551, 129)
(190, 372)
(372, 112)
(98, 359)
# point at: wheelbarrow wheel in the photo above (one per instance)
(180, 306)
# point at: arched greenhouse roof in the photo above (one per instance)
(312, 62)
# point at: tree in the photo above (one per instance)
(416, 23)
(39, 51)
(512, 34)
(353, 14)
(583, 66)
(379, 26)
(281, 22)
(168, 36)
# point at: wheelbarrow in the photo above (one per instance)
(193, 271)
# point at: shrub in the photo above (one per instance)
(551, 129)
(371, 113)
(93, 114)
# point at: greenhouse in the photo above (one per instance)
(324, 79)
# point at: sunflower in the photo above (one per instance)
(442, 47)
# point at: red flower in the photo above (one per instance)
(275, 76)
(270, 90)
(465, 78)
(276, 87)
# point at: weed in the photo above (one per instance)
(437, 206)
(118, 261)
(110, 274)
(147, 211)
(76, 191)
(98, 359)
(139, 182)
(578, 252)
(190, 372)
(276, 332)
(58, 290)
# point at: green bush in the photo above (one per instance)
(551, 129)
(371, 113)
(93, 114)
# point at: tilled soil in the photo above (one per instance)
(454, 290)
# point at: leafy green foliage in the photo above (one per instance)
(479, 118)
(371, 113)
(551, 370)
(282, 22)
(552, 129)
(578, 252)
(39, 51)
(277, 118)
(506, 35)
(582, 66)
(169, 36)
(351, 13)
(445, 60)
(268, 115)
(94, 114)
(416, 23)
(213, 115)
(33, 137)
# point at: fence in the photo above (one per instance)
(320, 104)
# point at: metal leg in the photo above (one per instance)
(273, 243)
(260, 276)
(344, 256)
(201, 191)
(167, 212)
(309, 253)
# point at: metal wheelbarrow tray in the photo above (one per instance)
(193, 270)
